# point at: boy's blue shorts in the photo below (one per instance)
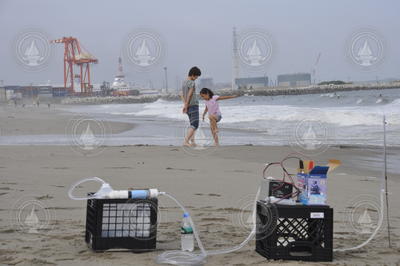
(193, 114)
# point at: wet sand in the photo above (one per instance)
(217, 186)
(32, 120)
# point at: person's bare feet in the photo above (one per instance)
(187, 144)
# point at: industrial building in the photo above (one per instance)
(206, 83)
(12, 91)
(251, 83)
(3, 97)
(294, 80)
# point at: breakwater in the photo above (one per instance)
(118, 99)
(313, 89)
(268, 91)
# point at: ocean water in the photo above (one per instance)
(345, 118)
(311, 124)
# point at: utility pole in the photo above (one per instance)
(235, 59)
(177, 85)
(166, 79)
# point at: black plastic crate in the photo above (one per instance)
(121, 223)
(294, 232)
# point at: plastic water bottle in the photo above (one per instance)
(187, 240)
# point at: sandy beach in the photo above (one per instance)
(213, 186)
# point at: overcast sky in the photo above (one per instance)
(200, 33)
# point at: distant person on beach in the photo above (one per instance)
(212, 107)
(191, 105)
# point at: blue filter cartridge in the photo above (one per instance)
(139, 194)
(133, 194)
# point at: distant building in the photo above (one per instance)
(27, 91)
(35, 91)
(13, 92)
(294, 80)
(222, 85)
(60, 92)
(206, 83)
(3, 97)
(251, 83)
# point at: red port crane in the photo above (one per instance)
(74, 54)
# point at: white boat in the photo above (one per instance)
(119, 86)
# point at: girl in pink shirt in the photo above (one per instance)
(212, 107)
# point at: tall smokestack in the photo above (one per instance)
(235, 59)
(120, 69)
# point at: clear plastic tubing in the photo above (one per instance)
(382, 200)
(178, 257)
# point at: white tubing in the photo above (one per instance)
(81, 182)
(382, 193)
(380, 221)
(178, 257)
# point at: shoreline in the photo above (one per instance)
(41, 127)
(42, 120)
(269, 91)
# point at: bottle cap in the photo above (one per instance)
(185, 214)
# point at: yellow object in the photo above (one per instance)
(333, 164)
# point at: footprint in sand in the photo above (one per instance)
(210, 194)
(45, 197)
(180, 169)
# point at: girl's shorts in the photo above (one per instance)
(219, 117)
